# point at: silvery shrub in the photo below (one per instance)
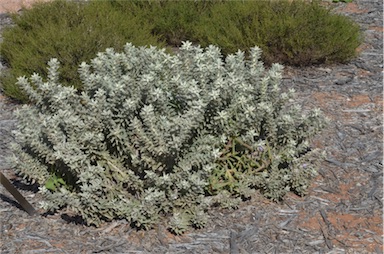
(144, 137)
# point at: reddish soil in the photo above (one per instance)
(345, 228)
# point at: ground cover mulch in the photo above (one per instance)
(342, 212)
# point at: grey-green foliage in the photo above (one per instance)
(142, 139)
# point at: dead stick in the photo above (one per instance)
(17, 195)
(325, 218)
(326, 237)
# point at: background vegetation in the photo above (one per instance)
(296, 33)
(70, 32)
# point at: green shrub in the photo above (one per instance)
(176, 21)
(151, 135)
(296, 33)
(72, 33)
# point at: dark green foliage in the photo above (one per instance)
(296, 33)
(70, 32)
(177, 21)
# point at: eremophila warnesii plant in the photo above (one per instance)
(154, 135)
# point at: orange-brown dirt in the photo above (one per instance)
(345, 228)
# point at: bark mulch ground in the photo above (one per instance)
(342, 212)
